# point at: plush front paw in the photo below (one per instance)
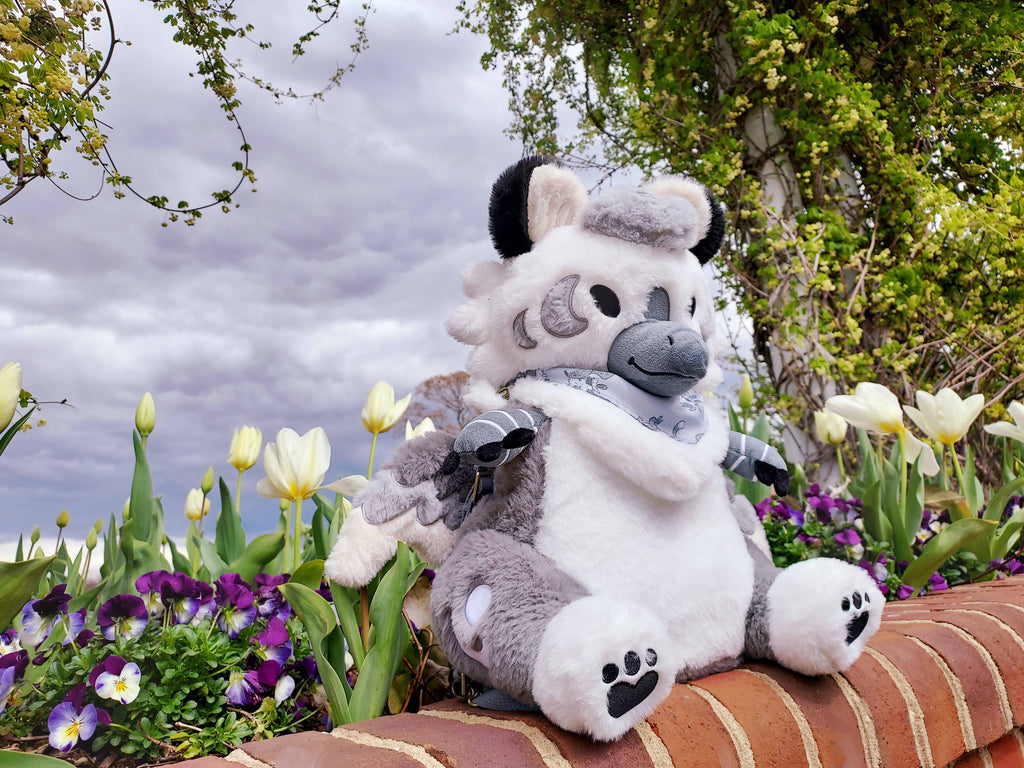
(821, 613)
(602, 667)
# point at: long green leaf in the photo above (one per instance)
(944, 545)
(913, 514)
(208, 556)
(309, 574)
(974, 492)
(18, 582)
(140, 503)
(9, 759)
(260, 551)
(1007, 535)
(389, 639)
(230, 534)
(318, 619)
(12, 430)
(345, 600)
(178, 560)
(875, 522)
(997, 504)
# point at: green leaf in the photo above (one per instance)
(389, 639)
(309, 574)
(230, 534)
(12, 430)
(178, 560)
(974, 492)
(260, 551)
(9, 759)
(345, 601)
(944, 545)
(1007, 535)
(997, 504)
(319, 621)
(18, 582)
(140, 504)
(208, 556)
(913, 514)
(875, 523)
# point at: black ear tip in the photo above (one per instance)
(708, 247)
(507, 212)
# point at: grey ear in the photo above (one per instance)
(530, 199)
(711, 227)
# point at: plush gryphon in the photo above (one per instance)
(589, 549)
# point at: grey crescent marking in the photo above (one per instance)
(519, 332)
(556, 313)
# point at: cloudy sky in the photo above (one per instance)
(340, 271)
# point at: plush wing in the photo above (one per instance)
(408, 499)
(753, 459)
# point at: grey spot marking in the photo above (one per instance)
(556, 313)
(657, 305)
(522, 338)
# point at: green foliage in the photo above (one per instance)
(890, 253)
(53, 85)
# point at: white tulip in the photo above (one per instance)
(10, 392)
(944, 417)
(1015, 429)
(295, 466)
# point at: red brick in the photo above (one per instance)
(829, 715)
(692, 732)
(206, 762)
(1007, 752)
(314, 749)
(888, 710)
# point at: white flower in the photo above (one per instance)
(1014, 430)
(123, 687)
(830, 427)
(944, 417)
(876, 409)
(422, 428)
(197, 506)
(245, 448)
(10, 392)
(381, 412)
(295, 466)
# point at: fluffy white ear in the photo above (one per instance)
(556, 197)
(691, 191)
(482, 277)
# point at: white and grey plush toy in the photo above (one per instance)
(590, 552)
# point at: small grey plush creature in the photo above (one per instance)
(610, 558)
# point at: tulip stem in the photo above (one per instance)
(959, 472)
(364, 611)
(297, 544)
(373, 450)
(238, 494)
(839, 460)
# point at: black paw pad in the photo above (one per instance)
(624, 695)
(858, 606)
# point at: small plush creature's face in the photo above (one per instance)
(582, 298)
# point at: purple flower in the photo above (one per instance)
(848, 538)
(1013, 567)
(38, 617)
(16, 660)
(237, 604)
(245, 688)
(69, 723)
(205, 601)
(937, 583)
(122, 616)
(306, 666)
(178, 594)
(7, 675)
(273, 643)
(904, 592)
(148, 586)
(9, 642)
(269, 600)
(122, 686)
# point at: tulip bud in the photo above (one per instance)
(381, 412)
(10, 392)
(829, 427)
(197, 505)
(145, 415)
(63, 519)
(98, 525)
(90, 540)
(746, 394)
(245, 448)
(35, 534)
(126, 511)
(284, 505)
(207, 484)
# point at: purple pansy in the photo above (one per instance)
(847, 538)
(273, 643)
(245, 688)
(7, 675)
(179, 593)
(148, 587)
(38, 617)
(236, 602)
(70, 721)
(119, 681)
(122, 616)
(9, 642)
(269, 600)
(205, 600)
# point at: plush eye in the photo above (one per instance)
(693, 306)
(657, 305)
(606, 300)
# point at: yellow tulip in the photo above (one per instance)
(944, 417)
(295, 466)
(1015, 429)
(207, 483)
(197, 506)
(245, 448)
(422, 428)
(381, 412)
(145, 415)
(746, 393)
(830, 427)
(10, 392)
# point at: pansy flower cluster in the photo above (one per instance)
(176, 656)
(831, 526)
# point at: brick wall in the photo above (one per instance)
(941, 684)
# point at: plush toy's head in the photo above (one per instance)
(610, 283)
